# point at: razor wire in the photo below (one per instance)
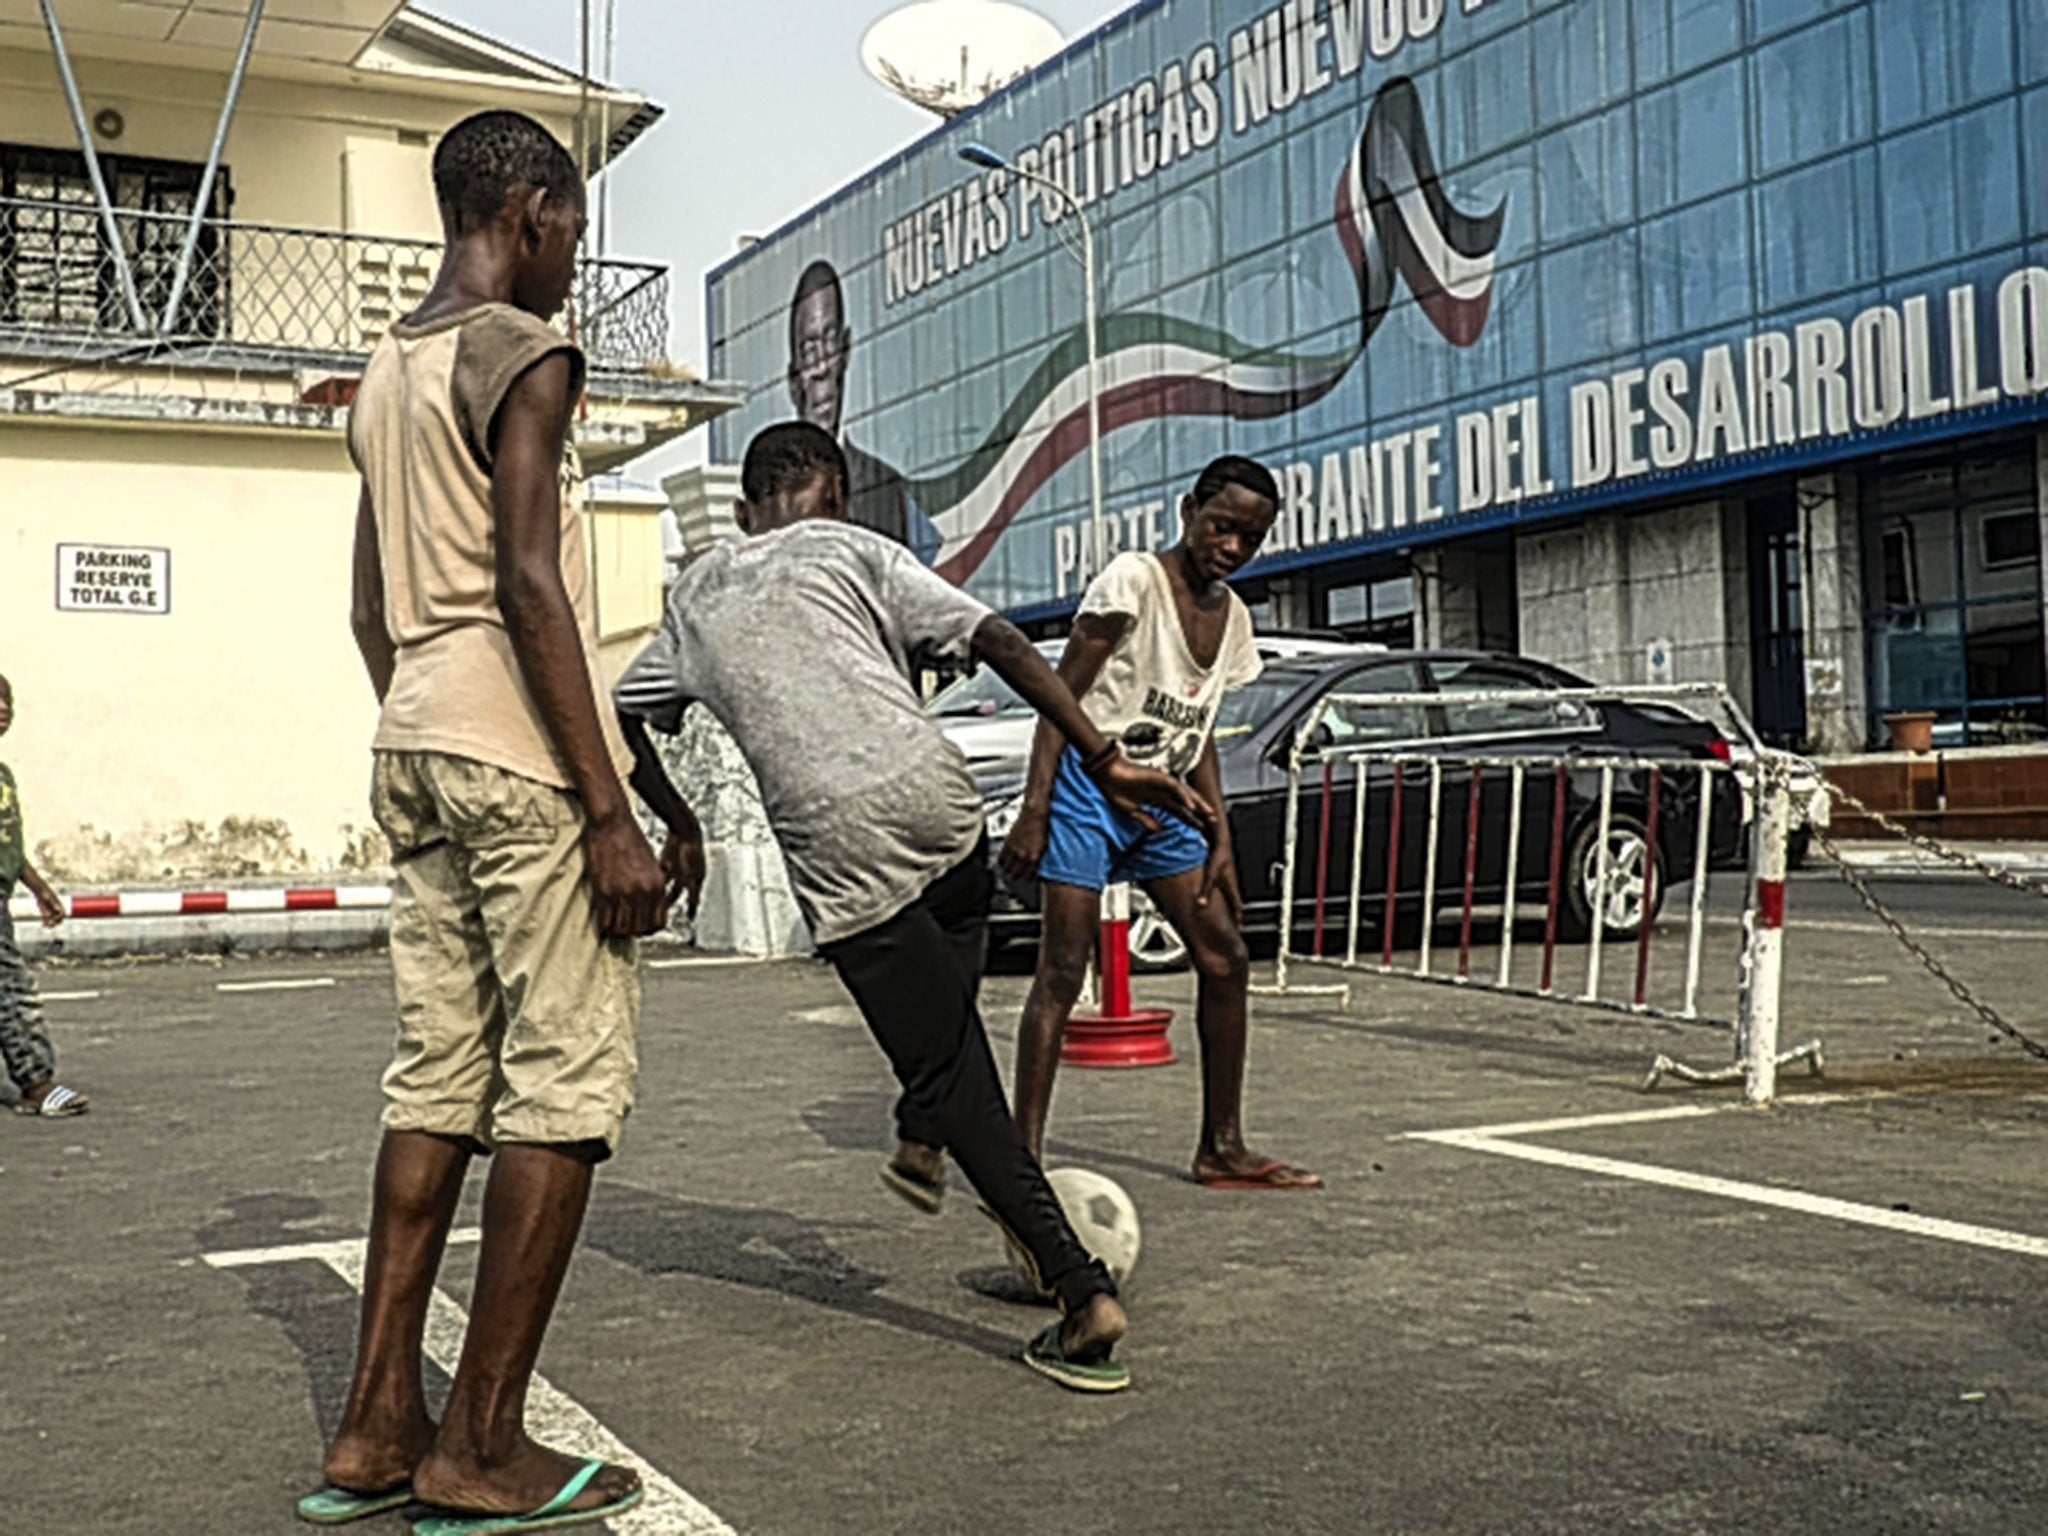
(1941, 973)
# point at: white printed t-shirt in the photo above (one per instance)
(1152, 694)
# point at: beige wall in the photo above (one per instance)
(226, 736)
(625, 561)
(229, 737)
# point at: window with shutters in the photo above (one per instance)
(57, 270)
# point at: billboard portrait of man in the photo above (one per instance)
(820, 346)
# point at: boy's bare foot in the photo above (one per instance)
(926, 1163)
(515, 1484)
(1241, 1168)
(1092, 1330)
(367, 1461)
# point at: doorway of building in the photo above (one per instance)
(1777, 620)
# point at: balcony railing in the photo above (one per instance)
(267, 287)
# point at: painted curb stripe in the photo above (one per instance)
(309, 898)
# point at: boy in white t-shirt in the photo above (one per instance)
(1159, 639)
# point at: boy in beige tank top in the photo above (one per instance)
(521, 875)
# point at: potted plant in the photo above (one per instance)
(1912, 730)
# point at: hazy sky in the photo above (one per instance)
(768, 110)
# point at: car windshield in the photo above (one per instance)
(1251, 706)
(984, 693)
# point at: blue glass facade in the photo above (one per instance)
(1449, 267)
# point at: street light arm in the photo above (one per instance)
(1087, 251)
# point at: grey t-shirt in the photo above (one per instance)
(800, 642)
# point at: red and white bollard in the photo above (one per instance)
(1117, 1035)
(1758, 1024)
(1757, 1054)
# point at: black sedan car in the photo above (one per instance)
(1256, 728)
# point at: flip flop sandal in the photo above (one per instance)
(59, 1103)
(1044, 1356)
(1265, 1176)
(928, 1195)
(338, 1506)
(550, 1516)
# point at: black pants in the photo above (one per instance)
(915, 978)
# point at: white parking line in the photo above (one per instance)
(1497, 1140)
(298, 984)
(67, 997)
(327, 1253)
(1835, 925)
(694, 961)
(551, 1414)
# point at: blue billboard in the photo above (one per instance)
(1445, 265)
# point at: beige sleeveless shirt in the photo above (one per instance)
(419, 432)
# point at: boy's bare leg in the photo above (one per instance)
(1070, 921)
(1223, 965)
(385, 1429)
(482, 1459)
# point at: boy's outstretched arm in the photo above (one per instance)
(682, 852)
(1129, 787)
(526, 517)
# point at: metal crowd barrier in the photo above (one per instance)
(1403, 773)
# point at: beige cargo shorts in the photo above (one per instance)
(517, 1020)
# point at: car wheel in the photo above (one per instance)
(1621, 905)
(1155, 946)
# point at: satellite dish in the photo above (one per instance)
(950, 55)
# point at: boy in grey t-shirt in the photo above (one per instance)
(800, 640)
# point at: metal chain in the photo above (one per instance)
(1927, 844)
(1934, 967)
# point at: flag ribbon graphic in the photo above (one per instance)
(1394, 219)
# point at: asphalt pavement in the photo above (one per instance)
(1533, 1299)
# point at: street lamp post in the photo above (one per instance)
(988, 159)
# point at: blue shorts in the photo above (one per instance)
(1091, 844)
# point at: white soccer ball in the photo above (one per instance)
(1102, 1216)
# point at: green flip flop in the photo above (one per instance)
(1044, 1356)
(338, 1506)
(550, 1516)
